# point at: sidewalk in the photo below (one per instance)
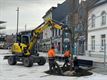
(4, 51)
(95, 59)
(98, 63)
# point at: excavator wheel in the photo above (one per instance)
(42, 61)
(12, 60)
(28, 62)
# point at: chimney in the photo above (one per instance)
(58, 5)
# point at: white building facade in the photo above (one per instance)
(47, 33)
(97, 29)
(52, 36)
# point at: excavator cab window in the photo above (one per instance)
(25, 40)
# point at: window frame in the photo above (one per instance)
(93, 20)
(103, 41)
(93, 43)
(103, 18)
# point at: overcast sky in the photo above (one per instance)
(31, 13)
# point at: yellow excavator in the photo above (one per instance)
(22, 49)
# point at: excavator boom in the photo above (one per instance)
(42, 27)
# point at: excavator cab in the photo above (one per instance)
(18, 38)
(25, 39)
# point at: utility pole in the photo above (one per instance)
(73, 24)
(86, 24)
(25, 27)
(17, 19)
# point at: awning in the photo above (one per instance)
(2, 22)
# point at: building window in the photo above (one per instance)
(55, 32)
(92, 43)
(93, 21)
(65, 35)
(103, 16)
(59, 32)
(59, 46)
(103, 41)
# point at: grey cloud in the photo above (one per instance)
(7, 3)
(31, 12)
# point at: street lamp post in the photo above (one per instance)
(17, 19)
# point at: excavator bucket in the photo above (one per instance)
(58, 26)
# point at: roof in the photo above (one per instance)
(49, 11)
(1, 27)
(62, 11)
(28, 31)
(100, 2)
(2, 22)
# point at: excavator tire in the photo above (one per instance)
(28, 62)
(12, 60)
(42, 61)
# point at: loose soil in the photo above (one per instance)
(71, 73)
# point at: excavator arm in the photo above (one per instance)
(38, 31)
(47, 24)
